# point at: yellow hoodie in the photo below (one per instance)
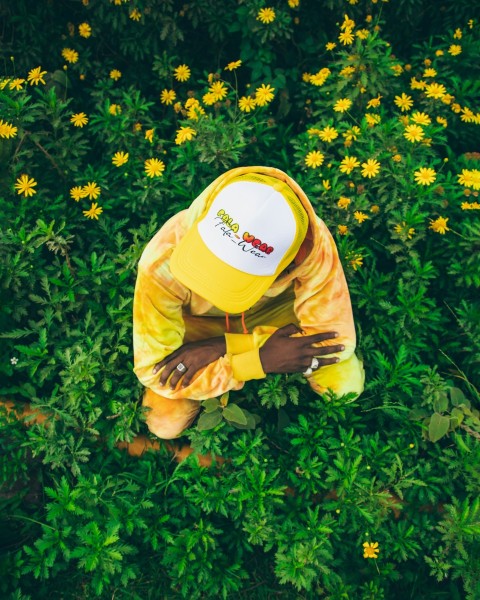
(313, 294)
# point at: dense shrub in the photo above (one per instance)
(115, 115)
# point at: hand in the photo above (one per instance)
(194, 355)
(282, 353)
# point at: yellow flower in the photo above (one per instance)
(266, 15)
(347, 71)
(348, 164)
(442, 121)
(372, 119)
(16, 84)
(420, 118)
(458, 34)
(360, 216)
(456, 108)
(402, 230)
(343, 202)
(7, 130)
(184, 134)
(455, 50)
(417, 85)
(93, 211)
(218, 90)
(397, 69)
(374, 102)
(346, 37)
(328, 134)
(435, 90)
(25, 185)
(233, 65)
(439, 225)
(114, 109)
(429, 72)
(208, 99)
(342, 105)
(115, 74)
(154, 167)
(35, 76)
(370, 550)
(149, 135)
(467, 115)
(352, 134)
(79, 119)
(330, 46)
(470, 206)
(167, 96)
(342, 229)
(120, 158)
(182, 73)
(77, 193)
(404, 102)
(375, 209)
(314, 159)
(246, 103)
(84, 30)
(293, 3)
(326, 184)
(356, 261)
(413, 133)
(135, 15)
(319, 78)
(92, 190)
(70, 55)
(425, 176)
(264, 94)
(362, 34)
(370, 168)
(470, 178)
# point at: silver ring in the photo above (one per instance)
(181, 367)
(308, 372)
(315, 364)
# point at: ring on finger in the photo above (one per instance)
(181, 367)
(315, 364)
(308, 372)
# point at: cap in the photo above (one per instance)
(249, 232)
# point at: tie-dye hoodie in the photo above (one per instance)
(313, 293)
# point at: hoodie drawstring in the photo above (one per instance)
(227, 323)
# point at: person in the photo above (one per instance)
(247, 281)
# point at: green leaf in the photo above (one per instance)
(234, 413)
(438, 427)
(456, 417)
(209, 420)
(211, 404)
(456, 396)
(441, 403)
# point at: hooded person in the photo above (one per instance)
(247, 281)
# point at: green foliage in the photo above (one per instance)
(300, 482)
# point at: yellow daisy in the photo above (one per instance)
(184, 134)
(370, 168)
(348, 164)
(70, 55)
(154, 167)
(120, 158)
(314, 159)
(246, 103)
(93, 211)
(79, 119)
(439, 225)
(233, 65)
(25, 184)
(328, 134)
(115, 74)
(435, 90)
(425, 176)
(342, 105)
(264, 94)
(167, 96)
(77, 193)
(403, 102)
(360, 216)
(84, 30)
(92, 190)
(413, 133)
(266, 15)
(219, 90)
(370, 550)
(149, 135)
(182, 73)
(35, 76)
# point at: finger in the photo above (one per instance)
(315, 338)
(288, 330)
(166, 360)
(176, 377)
(323, 362)
(328, 350)
(170, 368)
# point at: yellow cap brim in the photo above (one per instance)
(201, 271)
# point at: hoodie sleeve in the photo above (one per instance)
(322, 304)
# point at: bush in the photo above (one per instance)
(117, 116)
